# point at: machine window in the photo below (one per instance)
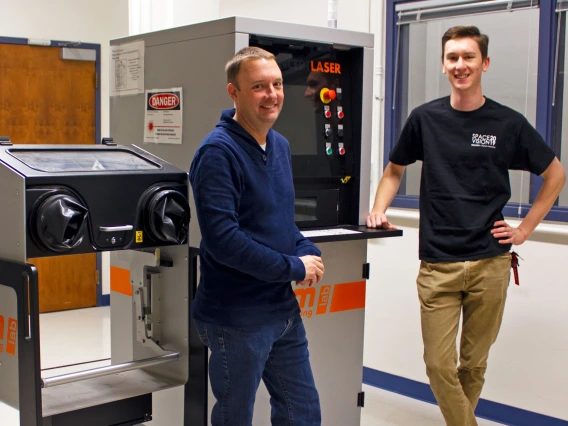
(82, 160)
(560, 86)
(305, 209)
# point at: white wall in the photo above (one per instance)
(86, 21)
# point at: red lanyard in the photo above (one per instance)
(515, 265)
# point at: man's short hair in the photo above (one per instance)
(233, 67)
(465, 32)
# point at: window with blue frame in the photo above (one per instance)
(522, 46)
(559, 137)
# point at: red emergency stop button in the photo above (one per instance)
(327, 95)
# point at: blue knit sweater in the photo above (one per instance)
(250, 247)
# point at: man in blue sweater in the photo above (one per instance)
(245, 309)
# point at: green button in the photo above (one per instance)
(329, 151)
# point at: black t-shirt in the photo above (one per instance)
(465, 181)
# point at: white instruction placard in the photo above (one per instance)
(163, 116)
(127, 69)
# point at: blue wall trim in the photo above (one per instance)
(105, 300)
(489, 410)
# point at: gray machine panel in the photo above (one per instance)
(170, 313)
(202, 101)
(366, 136)
(101, 390)
(12, 200)
(238, 24)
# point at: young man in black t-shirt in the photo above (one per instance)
(467, 144)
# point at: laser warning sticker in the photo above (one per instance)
(163, 116)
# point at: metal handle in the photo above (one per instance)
(106, 371)
(27, 330)
(116, 228)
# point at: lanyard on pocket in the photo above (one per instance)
(515, 265)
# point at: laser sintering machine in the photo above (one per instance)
(327, 114)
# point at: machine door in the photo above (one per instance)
(19, 345)
(50, 100)
(314, 208)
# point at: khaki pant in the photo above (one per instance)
(479, 288)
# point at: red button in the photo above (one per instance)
(341, 151)
(327, 95)
(340, 114)
(328, 114)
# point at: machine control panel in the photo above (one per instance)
(322, 120)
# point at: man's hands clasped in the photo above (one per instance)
(314, 270)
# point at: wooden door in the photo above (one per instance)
(48, 100)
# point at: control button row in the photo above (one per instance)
(327, 112)
(329, 150)
(328, 130)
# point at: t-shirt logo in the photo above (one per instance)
(485, 141)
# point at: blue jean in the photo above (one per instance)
(278, 354)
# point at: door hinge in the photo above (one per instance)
(361, 399)
(97, 277)
(366, 271)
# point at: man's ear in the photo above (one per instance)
(232, 91)
(486, 62)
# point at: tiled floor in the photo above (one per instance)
(84, 335)
(384, 408)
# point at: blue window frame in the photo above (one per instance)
(548, 117)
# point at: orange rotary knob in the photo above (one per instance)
(327, 95)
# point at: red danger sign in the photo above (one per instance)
(163, 101)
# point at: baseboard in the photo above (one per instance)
(105, 300)
(489, 410)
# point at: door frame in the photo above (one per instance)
(101, 300)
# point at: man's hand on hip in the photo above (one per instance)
(506, 234)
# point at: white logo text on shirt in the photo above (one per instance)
(485, 141)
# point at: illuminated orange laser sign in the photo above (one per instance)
(328, 67)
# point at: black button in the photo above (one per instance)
(264, 157)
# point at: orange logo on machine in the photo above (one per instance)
(302, 295)
(332, 298)
(1, 334)
(12, 336)
(327, 67)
